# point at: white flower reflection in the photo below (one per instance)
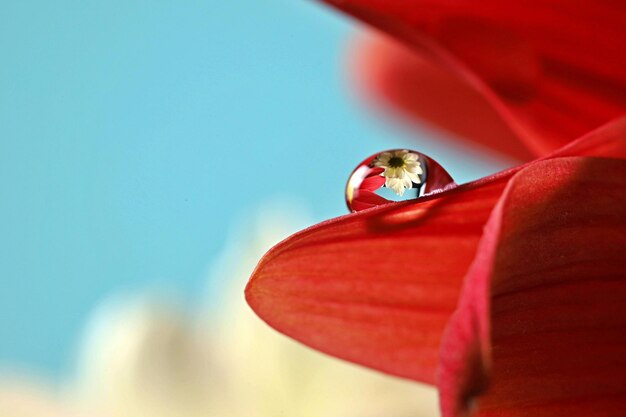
(144, 357)
(402, 169)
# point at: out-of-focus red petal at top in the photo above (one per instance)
(390, 73)
(553, 69)
(379, 286)
(541, 326)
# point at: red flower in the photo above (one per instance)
(508, 293)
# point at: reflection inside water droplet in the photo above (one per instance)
(394, 175)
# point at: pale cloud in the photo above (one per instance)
(148, 356)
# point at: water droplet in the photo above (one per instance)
(394, 175)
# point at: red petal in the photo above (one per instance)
(373, 181)
(608, 141)
(377, 287)
(417, 87)
(554, 70)
(541, 326)
(365, 199)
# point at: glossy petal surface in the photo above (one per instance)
(541, 326)
(553, 70)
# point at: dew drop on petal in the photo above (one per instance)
(395, 175)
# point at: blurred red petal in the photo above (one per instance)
(378, 287)
(418, 88)
(608, 141)
(553, 70)
(541, 326)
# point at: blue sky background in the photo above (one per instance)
(134, 133)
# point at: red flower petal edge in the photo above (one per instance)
(541, 325)
(378, 287)
(552, 69)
